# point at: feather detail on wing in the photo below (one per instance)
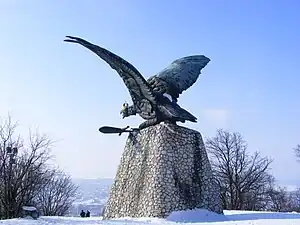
(139, 89)
(178, 113)
(179, 75)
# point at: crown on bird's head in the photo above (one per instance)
(124, 111)
(125, 105)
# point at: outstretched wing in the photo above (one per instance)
(179, 75)
(140, 91)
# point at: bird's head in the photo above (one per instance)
(124, 110)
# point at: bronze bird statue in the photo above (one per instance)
(155, 100)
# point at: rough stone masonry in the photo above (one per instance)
(164, 168)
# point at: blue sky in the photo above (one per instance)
(250, 86)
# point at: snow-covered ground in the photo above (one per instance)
(93, 193)
(197, 217)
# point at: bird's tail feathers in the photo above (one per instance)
(185, 115)
(178, 113)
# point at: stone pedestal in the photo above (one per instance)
(164, 168)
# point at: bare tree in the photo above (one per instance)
(279, 200)
(297, 152)
(57, 196)
(23, 166)
(295, 200)
(239, 174)
(258, 198)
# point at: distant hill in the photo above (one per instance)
(92, 195)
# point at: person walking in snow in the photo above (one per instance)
(87, 213)
(82, 214)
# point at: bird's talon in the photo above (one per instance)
(125, 128)
(135, 129)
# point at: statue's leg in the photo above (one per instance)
(149, 123)
(171, 122)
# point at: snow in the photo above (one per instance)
(29, 208)
(191, 217)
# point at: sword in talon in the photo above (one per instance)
(115, 130)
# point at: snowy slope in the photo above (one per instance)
(197, 217)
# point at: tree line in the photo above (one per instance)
(28, 177)
(245, 179)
